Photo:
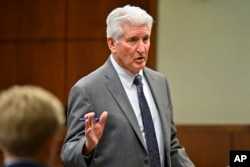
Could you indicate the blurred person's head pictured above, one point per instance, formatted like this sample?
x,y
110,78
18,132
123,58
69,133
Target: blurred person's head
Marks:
x,y
128,36
31,121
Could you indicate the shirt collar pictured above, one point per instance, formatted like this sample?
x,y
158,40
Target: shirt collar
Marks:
x,y
126,76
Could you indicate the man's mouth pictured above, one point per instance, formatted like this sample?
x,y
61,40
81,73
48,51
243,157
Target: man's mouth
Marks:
x,y
140,58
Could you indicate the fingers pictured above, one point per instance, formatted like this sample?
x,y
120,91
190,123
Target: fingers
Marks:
x,y
94,130
103,118
88,120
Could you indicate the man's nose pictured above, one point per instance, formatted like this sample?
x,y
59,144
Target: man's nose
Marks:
x,y
141,47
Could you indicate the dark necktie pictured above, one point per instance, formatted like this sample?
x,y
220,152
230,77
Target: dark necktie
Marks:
x,y
148,125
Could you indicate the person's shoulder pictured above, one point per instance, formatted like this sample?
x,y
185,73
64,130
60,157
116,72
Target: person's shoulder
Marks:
x,y
89,78
95,76
149,71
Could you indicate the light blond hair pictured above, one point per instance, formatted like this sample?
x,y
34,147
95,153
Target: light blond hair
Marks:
x,y
29,116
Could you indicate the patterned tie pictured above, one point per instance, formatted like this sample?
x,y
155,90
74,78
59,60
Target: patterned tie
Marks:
x,y
149,130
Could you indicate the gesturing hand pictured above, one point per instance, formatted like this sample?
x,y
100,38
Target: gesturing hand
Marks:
x,y
93,131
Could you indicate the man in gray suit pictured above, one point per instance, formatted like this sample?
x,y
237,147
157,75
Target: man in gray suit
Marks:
x,y
117,138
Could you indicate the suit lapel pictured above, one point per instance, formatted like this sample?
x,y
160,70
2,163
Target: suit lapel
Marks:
x,y
158,93
162,102
115,87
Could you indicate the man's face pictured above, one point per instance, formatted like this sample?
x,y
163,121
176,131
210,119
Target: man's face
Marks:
x,y
131,51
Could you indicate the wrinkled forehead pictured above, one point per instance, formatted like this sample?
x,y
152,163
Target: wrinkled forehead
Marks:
x,y
135,30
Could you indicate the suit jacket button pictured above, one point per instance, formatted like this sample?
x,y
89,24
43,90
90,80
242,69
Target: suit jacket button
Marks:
x,y
146,161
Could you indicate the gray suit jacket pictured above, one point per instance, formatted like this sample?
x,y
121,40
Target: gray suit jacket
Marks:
x,y
122,143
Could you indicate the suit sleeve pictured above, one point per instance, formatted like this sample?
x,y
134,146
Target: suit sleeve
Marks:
x,y
79,104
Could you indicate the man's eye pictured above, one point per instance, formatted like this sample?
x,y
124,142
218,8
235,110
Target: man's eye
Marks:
x,y
132,40
145,40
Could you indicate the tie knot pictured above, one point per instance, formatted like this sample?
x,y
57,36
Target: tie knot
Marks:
x,y
138,80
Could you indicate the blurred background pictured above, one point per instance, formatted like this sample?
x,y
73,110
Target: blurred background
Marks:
x,y
204,49
201,46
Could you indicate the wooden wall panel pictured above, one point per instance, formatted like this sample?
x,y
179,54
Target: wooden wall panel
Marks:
x,y
206,149
88,20
241,141
1,157
26,36
29,19
37,63
8,68
41,63
210,145
83,58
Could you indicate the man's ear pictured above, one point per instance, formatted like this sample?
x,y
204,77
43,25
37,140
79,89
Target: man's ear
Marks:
x,y
111,44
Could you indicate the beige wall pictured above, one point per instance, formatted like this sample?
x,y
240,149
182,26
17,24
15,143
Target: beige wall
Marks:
x,y
204,50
